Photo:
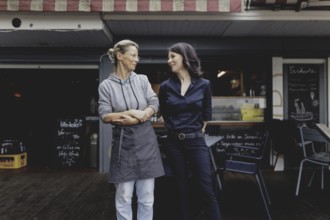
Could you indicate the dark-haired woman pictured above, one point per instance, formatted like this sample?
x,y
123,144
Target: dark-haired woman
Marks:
x,y
185,104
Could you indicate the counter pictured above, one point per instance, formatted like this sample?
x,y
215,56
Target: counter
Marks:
x,y
238,108
220,123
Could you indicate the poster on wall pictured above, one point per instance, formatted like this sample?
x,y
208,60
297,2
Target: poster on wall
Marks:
x,y
303,92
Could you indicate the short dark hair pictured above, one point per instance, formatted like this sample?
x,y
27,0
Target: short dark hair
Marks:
x,y
190,58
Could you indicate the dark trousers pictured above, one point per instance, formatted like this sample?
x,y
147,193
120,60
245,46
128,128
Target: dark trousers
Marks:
x,y
193,152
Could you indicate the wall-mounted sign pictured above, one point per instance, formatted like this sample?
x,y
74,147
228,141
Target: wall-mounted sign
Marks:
x,y
303,92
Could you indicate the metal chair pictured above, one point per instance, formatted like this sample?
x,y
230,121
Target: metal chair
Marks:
x,y
247,160
315,151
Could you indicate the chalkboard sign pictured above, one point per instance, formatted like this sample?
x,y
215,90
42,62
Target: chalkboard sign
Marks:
x,y
303,92
69,142
242,142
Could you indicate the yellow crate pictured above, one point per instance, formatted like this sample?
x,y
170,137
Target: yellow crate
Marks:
x,y
13,161
250,113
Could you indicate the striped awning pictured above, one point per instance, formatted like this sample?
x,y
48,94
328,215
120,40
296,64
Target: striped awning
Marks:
x,y
123,5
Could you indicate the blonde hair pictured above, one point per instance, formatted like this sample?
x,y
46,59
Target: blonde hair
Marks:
x,y
120,47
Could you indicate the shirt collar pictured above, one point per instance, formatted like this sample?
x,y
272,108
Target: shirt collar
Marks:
x,y
177,80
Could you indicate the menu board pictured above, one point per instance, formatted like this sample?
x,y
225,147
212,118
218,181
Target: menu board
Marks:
x,y
303,92
243,142
69,142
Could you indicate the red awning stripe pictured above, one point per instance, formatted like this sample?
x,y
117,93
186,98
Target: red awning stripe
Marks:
x,y
123,5
236,6
166,5
143,5
189,6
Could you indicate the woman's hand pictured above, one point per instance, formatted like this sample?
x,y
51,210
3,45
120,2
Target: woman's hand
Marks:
x,y
140,115
204,126
125,120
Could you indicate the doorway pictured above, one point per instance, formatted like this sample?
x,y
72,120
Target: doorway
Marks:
x,y
34,99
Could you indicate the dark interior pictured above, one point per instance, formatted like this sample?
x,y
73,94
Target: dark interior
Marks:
x,y
34,99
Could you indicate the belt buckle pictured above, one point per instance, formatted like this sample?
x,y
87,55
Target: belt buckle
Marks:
x,y
181,136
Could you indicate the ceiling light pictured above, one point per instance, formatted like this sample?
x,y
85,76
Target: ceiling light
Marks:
x,y
221,73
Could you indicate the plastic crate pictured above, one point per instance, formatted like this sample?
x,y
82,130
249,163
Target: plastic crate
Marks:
x,y
13,161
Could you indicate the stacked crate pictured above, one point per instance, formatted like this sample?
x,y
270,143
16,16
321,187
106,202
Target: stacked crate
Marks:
x,y
12,154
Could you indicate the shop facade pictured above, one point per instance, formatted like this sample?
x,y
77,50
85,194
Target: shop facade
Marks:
x,y
58,50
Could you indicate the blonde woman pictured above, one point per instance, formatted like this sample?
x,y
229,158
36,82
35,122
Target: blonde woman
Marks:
x,y
127,101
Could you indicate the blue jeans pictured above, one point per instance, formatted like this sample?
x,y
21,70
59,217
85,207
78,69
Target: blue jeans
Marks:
x,y
145,196
193,151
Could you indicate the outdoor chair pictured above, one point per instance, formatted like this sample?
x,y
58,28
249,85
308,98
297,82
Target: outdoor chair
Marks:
x,y
314,147
247,160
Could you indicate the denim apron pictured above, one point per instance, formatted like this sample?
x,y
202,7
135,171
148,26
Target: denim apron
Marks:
x,y
135,154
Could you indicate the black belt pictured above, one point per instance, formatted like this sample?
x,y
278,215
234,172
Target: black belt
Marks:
x,y
182,136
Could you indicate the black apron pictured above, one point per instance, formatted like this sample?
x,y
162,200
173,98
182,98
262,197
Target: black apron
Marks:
x,y
135,154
